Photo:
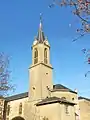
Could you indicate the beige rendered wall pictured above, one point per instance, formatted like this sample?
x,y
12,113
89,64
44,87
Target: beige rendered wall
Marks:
x,y
68,95
40,77
56,111
64,115
84,109
31,112
14,108
40,74
51,111
72,97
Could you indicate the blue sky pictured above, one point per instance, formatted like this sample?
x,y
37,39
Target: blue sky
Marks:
x,y
19,22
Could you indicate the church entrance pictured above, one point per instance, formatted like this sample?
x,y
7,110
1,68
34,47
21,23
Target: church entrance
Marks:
x,y
18,118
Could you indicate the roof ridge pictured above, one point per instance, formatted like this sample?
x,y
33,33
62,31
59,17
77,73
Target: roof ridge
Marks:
x,y
17,96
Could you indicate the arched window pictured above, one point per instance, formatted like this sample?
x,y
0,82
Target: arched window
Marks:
x,y
18,118
45,52
20,108
45,55
35,55
8,109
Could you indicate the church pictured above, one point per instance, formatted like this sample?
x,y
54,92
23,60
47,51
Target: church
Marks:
x,y
44,100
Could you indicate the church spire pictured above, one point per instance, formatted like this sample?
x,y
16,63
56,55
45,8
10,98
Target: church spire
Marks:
x,y
40,36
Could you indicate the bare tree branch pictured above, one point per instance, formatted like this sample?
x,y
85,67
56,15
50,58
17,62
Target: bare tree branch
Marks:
x,y
5,83
81,9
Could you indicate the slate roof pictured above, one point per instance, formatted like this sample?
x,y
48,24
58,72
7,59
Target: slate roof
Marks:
x,y
1,97
51,100
59,87
16,97
80,98
40,36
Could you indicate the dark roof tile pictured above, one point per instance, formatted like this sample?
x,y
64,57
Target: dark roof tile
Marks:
x,y
59,87
18,96
80,98
53,100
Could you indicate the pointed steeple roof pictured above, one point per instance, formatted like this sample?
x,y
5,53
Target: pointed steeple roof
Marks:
x,y
40,36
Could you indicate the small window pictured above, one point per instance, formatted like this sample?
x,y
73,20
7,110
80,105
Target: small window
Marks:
x,y
8,109
20,108
33,88
67,109
35,53
45,52
73,99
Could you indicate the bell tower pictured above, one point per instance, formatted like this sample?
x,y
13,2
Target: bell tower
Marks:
x,y
40,71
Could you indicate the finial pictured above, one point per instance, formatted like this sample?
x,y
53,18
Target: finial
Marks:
x,y
76,90
40,17
40,20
